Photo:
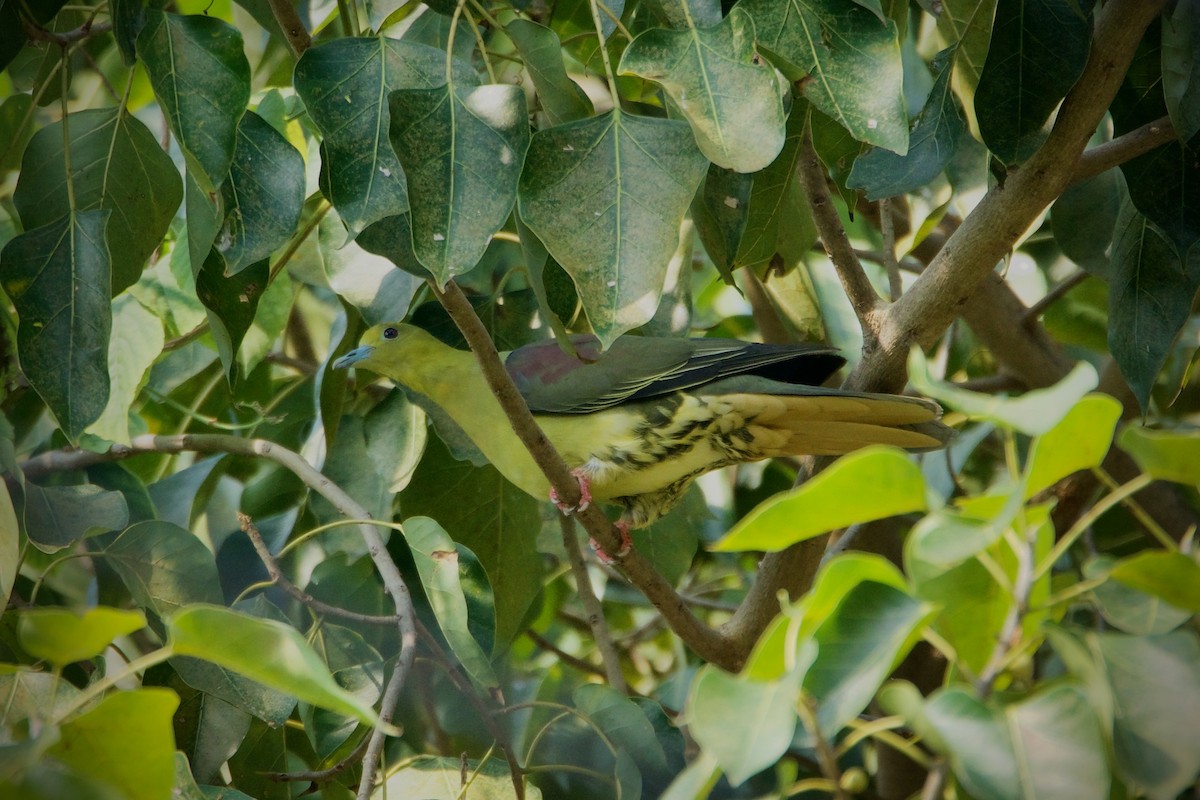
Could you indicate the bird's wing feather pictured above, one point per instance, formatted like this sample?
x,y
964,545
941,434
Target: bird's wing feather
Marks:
x,y
636,368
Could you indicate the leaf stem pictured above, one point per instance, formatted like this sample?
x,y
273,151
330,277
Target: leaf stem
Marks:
x,y
458,10
66,132
594,5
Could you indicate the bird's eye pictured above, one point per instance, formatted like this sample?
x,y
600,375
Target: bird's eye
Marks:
x,y
390,333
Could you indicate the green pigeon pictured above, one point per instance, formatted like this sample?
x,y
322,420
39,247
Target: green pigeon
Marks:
x,y
637,423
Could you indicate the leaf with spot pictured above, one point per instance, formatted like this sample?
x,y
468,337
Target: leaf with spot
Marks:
x,y
606,196
58,278
201,78
1038,50
848,59
344,85
116,165
462,149
262,196
231,302
932,143
727,93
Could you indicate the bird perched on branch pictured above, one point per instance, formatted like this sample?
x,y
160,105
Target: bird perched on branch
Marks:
x,y
639,422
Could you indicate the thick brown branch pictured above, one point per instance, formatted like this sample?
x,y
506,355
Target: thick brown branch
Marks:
x,y
862,294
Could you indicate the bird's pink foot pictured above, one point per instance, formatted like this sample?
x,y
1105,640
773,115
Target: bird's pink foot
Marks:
x,y
585,494
626,543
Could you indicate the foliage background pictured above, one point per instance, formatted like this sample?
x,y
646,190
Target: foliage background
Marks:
x,y
205,203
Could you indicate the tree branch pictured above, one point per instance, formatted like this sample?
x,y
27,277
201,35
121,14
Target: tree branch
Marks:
x,y
862,294
294,32
1126,147
592,607
1007,211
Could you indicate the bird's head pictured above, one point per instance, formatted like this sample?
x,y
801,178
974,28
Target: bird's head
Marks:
x,y
379,346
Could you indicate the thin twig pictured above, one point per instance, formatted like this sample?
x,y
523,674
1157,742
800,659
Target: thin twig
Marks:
x,y
572,661
65,38
592,607
887,226
826,757
862,295
935,782
1125,147
321,775
1053,296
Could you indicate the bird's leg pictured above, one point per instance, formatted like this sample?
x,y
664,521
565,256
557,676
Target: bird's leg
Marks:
x,y
622,527
585,493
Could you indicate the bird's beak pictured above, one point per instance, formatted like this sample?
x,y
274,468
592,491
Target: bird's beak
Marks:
x,y
353,357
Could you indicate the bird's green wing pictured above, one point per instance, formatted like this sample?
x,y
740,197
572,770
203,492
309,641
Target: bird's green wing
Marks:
x,y
636,368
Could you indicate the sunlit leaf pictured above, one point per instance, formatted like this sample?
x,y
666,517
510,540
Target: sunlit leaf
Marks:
x,y
270,652
441,778
62,637
1174,577
10,544
606,196
1167,455
726,92
137,340
1080,440
885,482
125,742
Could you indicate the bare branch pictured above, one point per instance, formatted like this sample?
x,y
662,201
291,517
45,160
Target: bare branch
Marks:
x,y
863,298
887,226
592,607
294,32
1123,148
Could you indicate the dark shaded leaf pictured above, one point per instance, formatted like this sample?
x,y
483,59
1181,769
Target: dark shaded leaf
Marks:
x,y
231,302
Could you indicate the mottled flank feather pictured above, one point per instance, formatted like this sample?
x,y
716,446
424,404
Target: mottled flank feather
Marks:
x,y
643,420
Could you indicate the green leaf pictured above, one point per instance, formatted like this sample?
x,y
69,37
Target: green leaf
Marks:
x,y
369,282
1166,455
979,744
769,710
204,212
1181,68
231,302
441,778
262,196
858,646
1149,299
720,211
63,637
436,558
932,144
128,17
1058,747
968,25
201,78
59,516
116,165
884,481
208,731
1038,50
58,279
164,567
1033,413
1083,218
358,668
1128,609
606,196
561,98
16,117
726,92
771,207
1080,440
124,742
1174,577
137,340
851,59
946,537
491,517
623,723
270,652
10,544
462,149
1156,696
344,84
